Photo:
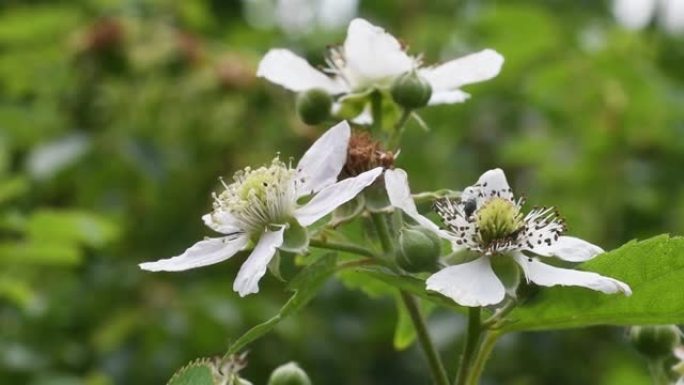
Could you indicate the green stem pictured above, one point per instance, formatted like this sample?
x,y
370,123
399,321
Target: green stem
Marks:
x,y
488,342
356,263
383,231
434,361
657,369
439,374
472,342
376,109
498,316
399,129
339,246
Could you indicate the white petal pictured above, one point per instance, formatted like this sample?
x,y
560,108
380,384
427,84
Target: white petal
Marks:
x,y
221,222
286,69
634,14
202,253
372,55
472,68
568,249
399,193
333,196
491,183
251,271
679,353
469,284
547,275
323,161
448,97
672,16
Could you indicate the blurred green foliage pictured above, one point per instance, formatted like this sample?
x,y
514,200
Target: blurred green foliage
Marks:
x,y
117,118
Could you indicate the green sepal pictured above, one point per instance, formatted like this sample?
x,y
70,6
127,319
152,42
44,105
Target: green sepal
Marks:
x,y
295,238
198,372
348,211
352,105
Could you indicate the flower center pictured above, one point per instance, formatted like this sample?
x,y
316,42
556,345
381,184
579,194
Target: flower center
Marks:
x,y
260,197
498,219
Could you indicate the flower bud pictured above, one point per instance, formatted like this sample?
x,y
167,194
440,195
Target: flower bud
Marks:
x,y
418,250
289,374
411,91
654,341
313,106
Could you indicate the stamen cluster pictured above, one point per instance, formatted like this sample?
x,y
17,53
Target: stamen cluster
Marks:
x,y
259,197
495,224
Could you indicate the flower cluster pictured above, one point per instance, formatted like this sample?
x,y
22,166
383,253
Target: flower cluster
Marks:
x,y
270,208
371,59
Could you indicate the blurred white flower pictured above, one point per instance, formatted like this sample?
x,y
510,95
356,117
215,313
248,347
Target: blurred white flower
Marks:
x,y
262,204
488,220
679,367
300,17
637,14
370,58
46,160
672,16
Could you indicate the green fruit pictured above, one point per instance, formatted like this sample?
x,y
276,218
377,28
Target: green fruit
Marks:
x,y
313,106
411,91
655,341
418,250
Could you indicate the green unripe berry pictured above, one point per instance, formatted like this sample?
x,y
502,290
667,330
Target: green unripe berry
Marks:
x,y
655,341
289,374
411,91
418,250
313,106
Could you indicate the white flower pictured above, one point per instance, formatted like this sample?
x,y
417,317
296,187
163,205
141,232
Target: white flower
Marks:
x,y
262,204
637,14
370,58
487,220
679,367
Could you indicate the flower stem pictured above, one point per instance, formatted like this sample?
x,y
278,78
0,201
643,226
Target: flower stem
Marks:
x,y
434,361
488,341
658,375
399,129
339,246
494,321
376,109
383,232
471,346
439,374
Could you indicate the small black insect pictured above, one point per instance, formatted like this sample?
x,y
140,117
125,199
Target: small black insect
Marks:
x,y
469,207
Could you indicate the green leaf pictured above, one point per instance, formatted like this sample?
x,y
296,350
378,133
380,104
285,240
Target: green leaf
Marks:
x,y
70,227
405,333
12,188
199,372
15,290
654,269
305,285
410,284
41,253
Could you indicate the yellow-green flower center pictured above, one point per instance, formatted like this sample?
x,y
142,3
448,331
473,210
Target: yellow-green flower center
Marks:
x,y
257,182
259,197
498,219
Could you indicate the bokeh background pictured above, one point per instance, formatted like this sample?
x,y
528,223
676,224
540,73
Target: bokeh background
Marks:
x,y
117,118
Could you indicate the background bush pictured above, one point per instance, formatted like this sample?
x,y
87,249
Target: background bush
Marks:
x,y
117,118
